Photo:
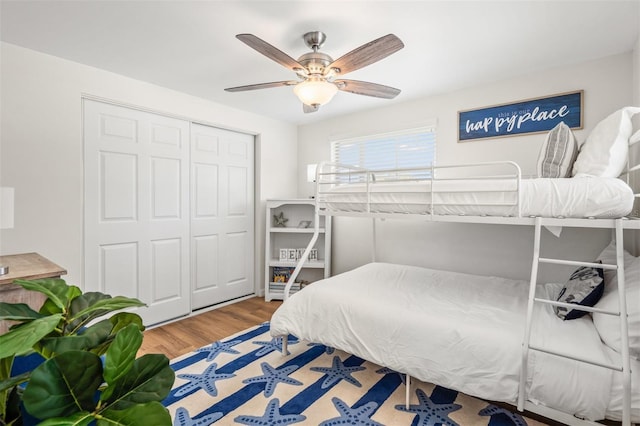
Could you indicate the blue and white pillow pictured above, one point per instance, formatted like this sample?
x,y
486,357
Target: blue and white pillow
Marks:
x,y
584,288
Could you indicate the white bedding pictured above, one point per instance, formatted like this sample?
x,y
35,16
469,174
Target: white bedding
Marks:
x,y
457,330
574,197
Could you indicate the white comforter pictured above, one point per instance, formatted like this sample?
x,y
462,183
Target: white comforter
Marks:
x,y
456,330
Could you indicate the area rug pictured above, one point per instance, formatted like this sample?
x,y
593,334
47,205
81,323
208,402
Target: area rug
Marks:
x,y
244,379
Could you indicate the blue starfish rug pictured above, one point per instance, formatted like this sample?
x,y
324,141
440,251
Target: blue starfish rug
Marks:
x,y
245,380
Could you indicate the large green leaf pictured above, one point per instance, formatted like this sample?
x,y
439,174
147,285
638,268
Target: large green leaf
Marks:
x,y
63,385
151,413
149,379
102,306
123,319
17,312
119,321
82,303
122,353
81,418
20,340
50,307
54,288
90,338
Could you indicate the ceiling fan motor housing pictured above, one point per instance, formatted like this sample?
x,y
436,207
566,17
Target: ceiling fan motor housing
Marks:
x,y
315,62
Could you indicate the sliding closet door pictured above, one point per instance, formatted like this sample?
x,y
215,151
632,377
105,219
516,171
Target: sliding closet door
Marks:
x,y
222,219
136,194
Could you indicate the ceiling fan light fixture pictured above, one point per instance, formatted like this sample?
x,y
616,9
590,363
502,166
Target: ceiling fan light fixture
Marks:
x,y
315,92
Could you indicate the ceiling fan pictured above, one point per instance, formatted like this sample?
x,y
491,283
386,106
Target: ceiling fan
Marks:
x,y
319,76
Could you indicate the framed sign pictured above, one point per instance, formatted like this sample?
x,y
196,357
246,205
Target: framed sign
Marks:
x,y
528,116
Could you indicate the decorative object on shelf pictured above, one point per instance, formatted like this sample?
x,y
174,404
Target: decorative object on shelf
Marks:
x,y
293,255
313,254
279,221
527,116
284,255
304,283
304,224
281,274
299,253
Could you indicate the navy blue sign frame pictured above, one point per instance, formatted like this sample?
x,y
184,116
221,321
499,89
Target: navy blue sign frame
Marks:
x,y
528,116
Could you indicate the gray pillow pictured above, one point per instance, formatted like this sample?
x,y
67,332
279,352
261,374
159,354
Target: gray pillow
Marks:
x,y
558,153
585,288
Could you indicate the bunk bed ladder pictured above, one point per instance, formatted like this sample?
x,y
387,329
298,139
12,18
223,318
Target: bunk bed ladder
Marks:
x,y
624,367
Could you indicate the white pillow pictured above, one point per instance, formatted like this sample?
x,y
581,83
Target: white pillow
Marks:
x,y
608,326
604,153
558,153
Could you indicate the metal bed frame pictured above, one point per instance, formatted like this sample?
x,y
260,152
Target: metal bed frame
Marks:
x,y
329,175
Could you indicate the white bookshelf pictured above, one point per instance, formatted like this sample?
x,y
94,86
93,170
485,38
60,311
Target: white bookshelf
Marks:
x,y
294,237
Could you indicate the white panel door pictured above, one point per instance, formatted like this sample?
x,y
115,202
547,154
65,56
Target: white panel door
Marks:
x,y
222,219
136,192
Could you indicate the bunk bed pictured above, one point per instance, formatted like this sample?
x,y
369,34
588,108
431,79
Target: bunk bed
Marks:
x,y
502,343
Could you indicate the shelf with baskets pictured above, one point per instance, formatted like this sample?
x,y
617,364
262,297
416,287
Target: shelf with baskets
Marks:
x,y
289,228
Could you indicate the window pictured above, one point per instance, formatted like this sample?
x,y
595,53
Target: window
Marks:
x,y
404,149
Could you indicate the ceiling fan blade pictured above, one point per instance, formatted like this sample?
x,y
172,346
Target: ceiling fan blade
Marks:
x,y
270,51
368,54
310,108
368,89
261,86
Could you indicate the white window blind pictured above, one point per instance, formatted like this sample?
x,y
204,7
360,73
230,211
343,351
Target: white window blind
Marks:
x,y
405,149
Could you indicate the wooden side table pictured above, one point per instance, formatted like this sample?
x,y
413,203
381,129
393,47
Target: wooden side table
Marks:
x,y
26,266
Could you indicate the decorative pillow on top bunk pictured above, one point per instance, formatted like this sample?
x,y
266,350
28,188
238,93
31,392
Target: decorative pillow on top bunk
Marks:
x,y
604,153
584,288
558,153
608,326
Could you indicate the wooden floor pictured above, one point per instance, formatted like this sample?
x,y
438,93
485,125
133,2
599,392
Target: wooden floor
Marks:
x,y
181,337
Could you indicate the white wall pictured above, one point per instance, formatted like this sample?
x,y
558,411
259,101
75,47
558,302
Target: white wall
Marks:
x,y
41,148
491,249
636,68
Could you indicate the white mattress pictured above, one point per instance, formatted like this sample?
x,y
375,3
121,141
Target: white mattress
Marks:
x,y
574,197
456,330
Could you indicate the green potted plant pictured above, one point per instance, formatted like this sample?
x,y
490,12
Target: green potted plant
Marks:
x,y
89,372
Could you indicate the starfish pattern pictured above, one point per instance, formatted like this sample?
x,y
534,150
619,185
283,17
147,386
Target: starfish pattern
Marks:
x,y
272,376
271,417
492,410
356,416
218,347
274,344
206,380
338,372
430,414
183,418
279,220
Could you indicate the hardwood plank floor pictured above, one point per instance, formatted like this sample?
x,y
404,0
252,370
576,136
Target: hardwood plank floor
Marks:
x,y
181,337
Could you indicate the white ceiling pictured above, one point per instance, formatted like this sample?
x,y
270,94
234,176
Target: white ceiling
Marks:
x,y
190,46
